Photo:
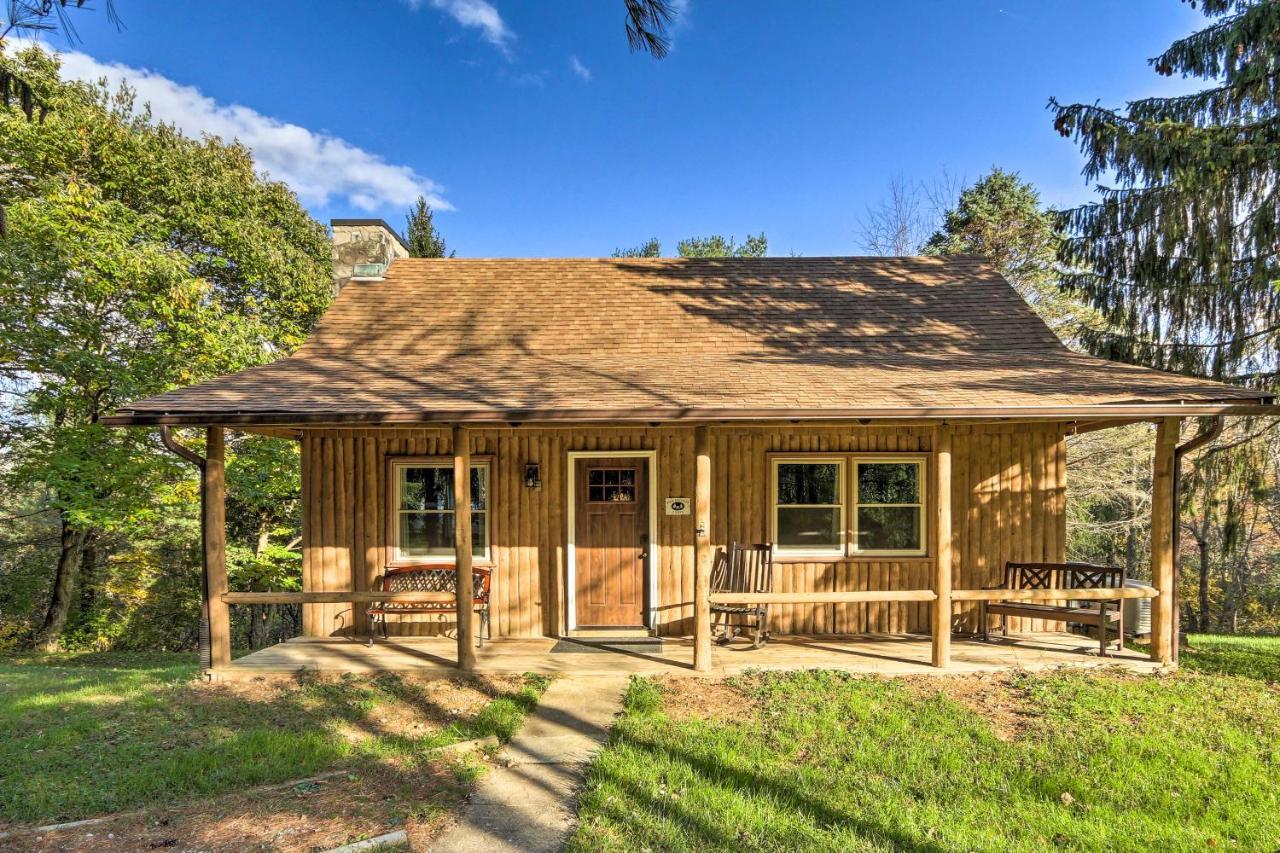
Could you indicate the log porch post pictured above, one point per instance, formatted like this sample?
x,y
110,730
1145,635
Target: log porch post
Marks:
x,y
1164,620
465,606
213,511
941,628
702,550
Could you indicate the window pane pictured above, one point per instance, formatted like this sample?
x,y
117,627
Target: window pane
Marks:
x,y
431,487
479,486
426,534
888,483
889,528
426,487
478,542
430,534
808,483
809,528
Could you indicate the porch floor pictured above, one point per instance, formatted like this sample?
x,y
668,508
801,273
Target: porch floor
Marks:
x,y
871,655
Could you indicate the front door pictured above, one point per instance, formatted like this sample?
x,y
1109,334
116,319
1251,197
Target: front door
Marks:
x,y
611,519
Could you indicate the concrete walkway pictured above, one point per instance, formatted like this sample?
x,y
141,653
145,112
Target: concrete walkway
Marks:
x,y
528,803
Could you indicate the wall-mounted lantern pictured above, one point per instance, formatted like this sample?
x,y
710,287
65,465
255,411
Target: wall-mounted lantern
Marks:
x,y
532,476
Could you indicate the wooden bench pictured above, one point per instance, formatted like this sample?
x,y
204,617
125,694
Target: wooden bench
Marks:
x,y
429,579
1064,577
745,569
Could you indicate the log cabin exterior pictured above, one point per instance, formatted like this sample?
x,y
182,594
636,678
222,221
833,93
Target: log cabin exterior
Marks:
x,y
895,426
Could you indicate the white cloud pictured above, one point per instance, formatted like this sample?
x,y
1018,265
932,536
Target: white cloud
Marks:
x,y
318,166
476,14
578,68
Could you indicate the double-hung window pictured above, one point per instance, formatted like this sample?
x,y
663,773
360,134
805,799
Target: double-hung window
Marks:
x,y
848,505
808,506
424,505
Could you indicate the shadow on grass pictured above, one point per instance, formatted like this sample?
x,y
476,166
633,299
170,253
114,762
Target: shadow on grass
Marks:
x,y
77,741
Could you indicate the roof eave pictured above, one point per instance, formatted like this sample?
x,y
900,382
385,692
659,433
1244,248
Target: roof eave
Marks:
x,y
1260,407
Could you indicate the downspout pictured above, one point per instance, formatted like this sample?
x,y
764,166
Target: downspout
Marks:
x,y
205,645
1195,443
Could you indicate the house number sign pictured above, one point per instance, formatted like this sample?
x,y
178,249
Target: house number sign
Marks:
x,y
678,506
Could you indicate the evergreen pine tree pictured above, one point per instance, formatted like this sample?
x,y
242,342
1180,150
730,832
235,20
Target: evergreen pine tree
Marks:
x,y
421,234
1180,254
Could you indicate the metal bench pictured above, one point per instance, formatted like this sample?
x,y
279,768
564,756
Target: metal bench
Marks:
x,y
746,568
1064,577
429,579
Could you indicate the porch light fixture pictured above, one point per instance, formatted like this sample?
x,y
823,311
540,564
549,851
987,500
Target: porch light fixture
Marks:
x,y
532,476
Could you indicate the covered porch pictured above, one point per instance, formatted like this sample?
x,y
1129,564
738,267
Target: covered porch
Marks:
x,y
929,590
884,655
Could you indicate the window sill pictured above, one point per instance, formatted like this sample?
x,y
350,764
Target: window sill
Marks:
x,y
436,563
852,558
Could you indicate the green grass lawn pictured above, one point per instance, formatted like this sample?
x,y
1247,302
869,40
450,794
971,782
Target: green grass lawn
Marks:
x,y
825,761
1252,657
83,735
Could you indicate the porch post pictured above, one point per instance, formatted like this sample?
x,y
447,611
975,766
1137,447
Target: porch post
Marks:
x,y
462,547
942,546
213,510
1164,620
702,550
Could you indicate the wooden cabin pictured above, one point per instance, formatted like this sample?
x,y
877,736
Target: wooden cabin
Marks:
x,y
894,426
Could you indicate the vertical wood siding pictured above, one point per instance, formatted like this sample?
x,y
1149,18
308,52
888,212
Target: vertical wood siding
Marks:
x,y
1008,498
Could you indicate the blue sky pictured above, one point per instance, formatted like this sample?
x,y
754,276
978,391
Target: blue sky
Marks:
x,y
546,137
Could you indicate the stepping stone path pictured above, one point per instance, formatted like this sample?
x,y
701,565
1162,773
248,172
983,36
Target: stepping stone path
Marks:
x,y
528,803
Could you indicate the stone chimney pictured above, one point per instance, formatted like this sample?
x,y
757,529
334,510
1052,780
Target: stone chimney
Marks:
x,y
363,249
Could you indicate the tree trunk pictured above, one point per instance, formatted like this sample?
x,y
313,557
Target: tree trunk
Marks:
x,y
1203,544
88,578
70,558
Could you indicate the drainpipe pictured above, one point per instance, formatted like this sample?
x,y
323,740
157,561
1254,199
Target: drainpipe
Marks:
x,y
205,645
1199,440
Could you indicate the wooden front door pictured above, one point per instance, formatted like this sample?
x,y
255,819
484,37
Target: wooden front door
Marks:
x,y
611,541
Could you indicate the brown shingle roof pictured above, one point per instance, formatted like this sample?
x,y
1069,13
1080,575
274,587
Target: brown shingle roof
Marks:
x,y
668,338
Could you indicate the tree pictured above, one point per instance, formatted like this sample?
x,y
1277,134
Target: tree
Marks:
x,y
716,246
647,24
138,260
901,222
1180,254
1000,218
421,234
29,17
651,248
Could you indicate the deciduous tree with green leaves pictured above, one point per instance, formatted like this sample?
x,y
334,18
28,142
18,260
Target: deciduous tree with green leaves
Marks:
x,y
137,260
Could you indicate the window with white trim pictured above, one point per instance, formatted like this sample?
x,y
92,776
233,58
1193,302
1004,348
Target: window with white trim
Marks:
x,y
808,506
848,505
888,508
424,503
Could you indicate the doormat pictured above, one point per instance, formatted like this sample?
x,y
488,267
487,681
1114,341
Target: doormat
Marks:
x,y
642,647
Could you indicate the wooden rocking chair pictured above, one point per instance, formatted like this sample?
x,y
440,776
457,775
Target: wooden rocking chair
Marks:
x,y
746,568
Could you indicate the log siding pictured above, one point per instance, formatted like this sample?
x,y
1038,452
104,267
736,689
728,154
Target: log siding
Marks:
x,y
1007,503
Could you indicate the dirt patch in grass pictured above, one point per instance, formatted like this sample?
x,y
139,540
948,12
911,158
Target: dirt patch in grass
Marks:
x,y
313,816
996,697
685,697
